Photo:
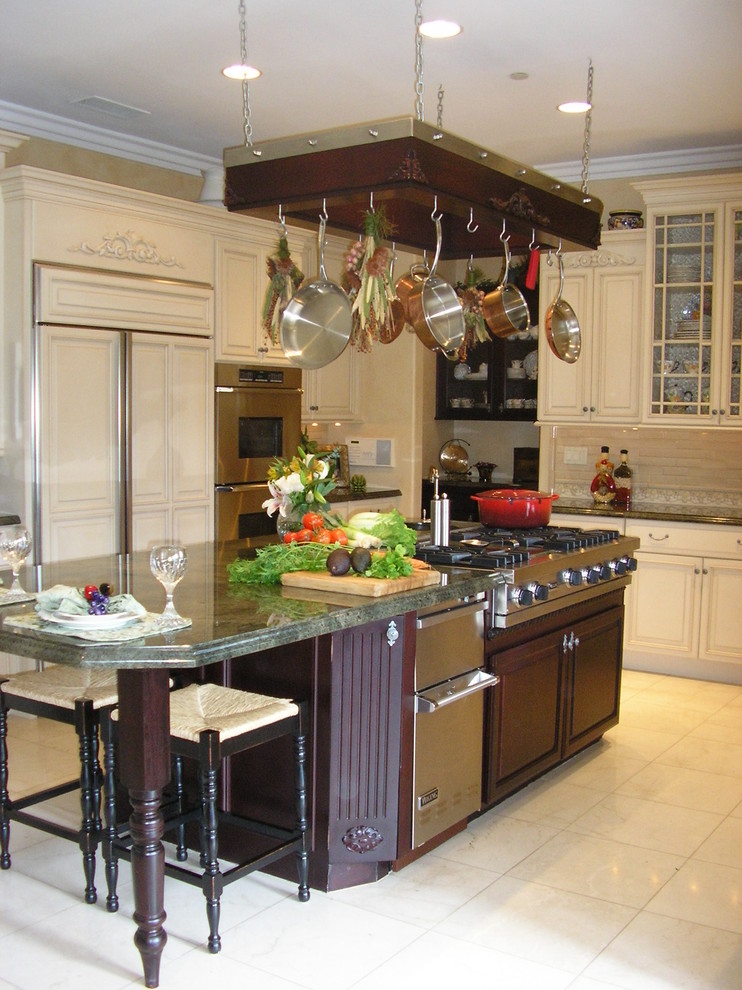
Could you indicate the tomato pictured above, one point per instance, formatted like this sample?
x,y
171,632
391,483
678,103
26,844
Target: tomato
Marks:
x,y
304,535
291,537
312,520
321,536
89,591
338,536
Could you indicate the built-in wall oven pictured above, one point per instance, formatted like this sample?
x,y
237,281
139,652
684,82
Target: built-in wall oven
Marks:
x,y
258,418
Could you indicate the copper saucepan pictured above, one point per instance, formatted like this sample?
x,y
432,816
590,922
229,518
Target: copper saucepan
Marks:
x,y
435,310
505,308
561,325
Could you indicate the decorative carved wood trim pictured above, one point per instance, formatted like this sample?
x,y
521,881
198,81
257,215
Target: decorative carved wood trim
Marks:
x,y
128,247
519,205
362,839
598,259
410,169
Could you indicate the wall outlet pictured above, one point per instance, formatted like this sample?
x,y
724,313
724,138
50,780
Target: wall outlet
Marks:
x,y
575,455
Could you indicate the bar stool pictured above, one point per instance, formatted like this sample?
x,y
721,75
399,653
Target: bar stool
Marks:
x,y
208,723
76,697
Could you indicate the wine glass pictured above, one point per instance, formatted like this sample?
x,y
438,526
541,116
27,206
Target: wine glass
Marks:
x,y
15,546
168,564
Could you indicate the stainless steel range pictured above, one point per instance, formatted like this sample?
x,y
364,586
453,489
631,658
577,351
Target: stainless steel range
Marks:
x,y
543,569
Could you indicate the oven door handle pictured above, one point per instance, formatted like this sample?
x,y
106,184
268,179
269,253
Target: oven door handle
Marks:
x,y
455,689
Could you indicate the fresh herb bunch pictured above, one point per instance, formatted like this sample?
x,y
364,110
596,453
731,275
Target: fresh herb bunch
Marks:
x,y
272,561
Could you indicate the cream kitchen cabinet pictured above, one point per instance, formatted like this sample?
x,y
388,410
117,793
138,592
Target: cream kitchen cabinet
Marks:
x,y
241,284
682,608
694,303
605,289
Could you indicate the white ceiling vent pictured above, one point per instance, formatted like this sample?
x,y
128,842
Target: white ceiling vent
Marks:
x,y
110,107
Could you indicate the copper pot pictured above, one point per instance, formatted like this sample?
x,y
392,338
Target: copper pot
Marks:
x,y
505,308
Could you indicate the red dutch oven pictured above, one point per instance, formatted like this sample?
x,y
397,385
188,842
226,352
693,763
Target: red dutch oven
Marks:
x,y
514,507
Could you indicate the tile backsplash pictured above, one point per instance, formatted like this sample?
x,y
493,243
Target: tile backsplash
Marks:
x,y
682,467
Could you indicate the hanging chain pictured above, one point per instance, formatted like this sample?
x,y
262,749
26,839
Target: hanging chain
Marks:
x,y
441,94
246,113
588,123
419,87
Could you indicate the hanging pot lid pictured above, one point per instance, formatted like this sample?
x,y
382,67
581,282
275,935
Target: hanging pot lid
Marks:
x,y
405,162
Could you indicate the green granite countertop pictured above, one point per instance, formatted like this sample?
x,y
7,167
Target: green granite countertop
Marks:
x,y
717,515
229,620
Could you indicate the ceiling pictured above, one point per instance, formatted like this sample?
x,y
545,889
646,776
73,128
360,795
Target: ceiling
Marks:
x,y
668,76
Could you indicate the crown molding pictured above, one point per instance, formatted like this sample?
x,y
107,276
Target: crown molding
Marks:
x,y
657,163
35,123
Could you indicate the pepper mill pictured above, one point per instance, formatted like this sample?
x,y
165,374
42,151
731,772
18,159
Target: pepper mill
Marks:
x,y
440,516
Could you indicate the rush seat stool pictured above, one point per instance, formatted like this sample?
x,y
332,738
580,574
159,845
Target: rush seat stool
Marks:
x,y
76,697
209,722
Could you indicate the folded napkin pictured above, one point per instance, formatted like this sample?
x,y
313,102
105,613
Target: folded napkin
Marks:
x,y
61,597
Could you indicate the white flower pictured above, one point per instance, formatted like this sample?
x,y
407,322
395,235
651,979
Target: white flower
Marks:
x,y
321,468
287,484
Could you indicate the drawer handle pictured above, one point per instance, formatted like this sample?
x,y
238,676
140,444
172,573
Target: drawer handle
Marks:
x,y
659,539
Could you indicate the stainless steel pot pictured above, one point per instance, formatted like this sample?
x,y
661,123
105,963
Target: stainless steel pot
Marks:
x,y
505,308
317,322
561,325
435,309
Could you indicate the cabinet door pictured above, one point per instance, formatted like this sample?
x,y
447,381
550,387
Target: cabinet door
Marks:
x,y
331,394
616,345
171,419
593,678
721,615
663,605
731,369
80,452
564,389
524,715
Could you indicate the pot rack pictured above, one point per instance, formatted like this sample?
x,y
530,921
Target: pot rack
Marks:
x,y
404,164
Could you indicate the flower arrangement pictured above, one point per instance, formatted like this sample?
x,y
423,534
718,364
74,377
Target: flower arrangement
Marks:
x,y
299,483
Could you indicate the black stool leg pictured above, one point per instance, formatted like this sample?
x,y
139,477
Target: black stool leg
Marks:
x,y
87,731
4,798
302,823
212,882
110,856
181,849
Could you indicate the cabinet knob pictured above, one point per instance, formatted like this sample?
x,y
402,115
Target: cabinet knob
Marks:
x,y
592,408
696,570
585,409
722,412
705,570
262,350
714,412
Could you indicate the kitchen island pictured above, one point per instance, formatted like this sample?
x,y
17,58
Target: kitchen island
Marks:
x,y
351,657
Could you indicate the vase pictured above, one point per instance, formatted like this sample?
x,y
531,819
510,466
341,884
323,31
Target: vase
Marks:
x,y
290,523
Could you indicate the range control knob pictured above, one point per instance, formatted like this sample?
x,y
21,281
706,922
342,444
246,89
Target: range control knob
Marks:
x,y
605,572
570,576
540,591
591,575
618,567
520,596
630,563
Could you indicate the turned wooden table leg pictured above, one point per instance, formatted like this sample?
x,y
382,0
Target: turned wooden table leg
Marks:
x,y
144,767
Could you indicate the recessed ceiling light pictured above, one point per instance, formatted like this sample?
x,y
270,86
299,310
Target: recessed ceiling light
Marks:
x,y
440,29
575,106
241,71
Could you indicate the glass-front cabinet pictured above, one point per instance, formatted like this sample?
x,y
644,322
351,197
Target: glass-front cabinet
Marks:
x,y
696,304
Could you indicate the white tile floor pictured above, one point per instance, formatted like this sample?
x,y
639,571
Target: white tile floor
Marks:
x,y
622,868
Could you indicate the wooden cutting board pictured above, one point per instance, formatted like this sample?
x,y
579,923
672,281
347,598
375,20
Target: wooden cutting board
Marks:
x,y
350,584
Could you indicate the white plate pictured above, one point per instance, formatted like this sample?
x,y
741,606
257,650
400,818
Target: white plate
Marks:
x,y
530,363
111,620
